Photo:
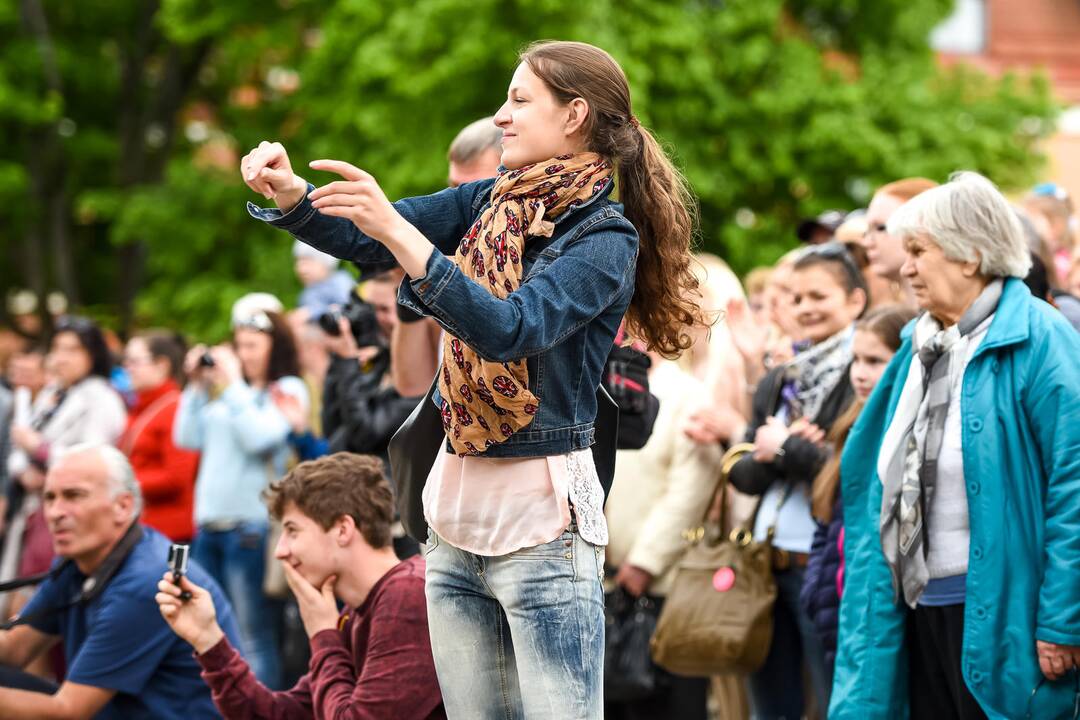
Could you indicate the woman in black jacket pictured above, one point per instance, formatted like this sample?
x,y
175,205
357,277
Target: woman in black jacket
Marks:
x,y
793,408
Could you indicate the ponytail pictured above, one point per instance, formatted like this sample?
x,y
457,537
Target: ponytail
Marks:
x,y
659,204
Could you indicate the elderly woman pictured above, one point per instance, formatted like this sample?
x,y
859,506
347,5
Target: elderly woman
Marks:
x,y
960,486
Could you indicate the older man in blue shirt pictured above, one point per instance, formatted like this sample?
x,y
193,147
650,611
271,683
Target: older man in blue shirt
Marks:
x,y
123,661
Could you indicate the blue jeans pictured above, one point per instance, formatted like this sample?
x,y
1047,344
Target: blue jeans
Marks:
x,y
236,558
520,635
776,690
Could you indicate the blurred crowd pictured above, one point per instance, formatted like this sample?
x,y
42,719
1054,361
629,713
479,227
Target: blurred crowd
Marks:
x,y
792,359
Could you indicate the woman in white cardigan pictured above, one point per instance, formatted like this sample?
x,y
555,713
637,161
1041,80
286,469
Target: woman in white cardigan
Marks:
x,y
658,492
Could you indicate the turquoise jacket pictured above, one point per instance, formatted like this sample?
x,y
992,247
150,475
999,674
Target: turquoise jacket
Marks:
x,y
1020,413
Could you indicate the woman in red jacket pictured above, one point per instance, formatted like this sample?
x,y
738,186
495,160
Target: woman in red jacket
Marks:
x,y
165,472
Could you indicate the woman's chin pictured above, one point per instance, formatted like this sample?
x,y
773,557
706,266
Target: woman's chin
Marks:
x,y
510,161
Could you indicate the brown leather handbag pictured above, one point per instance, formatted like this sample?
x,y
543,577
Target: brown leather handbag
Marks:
x,y
718,616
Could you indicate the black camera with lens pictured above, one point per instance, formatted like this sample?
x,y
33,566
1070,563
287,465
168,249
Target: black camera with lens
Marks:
x,y
361,318
206,360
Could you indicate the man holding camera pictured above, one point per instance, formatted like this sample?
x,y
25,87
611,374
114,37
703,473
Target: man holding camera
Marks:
x,y
361,408
98,600
372,660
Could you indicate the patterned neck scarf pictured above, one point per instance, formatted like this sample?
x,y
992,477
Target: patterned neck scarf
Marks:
x,y
814,373
907,463
485,402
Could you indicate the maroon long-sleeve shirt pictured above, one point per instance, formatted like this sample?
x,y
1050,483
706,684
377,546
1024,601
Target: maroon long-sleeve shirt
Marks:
x,y
377,666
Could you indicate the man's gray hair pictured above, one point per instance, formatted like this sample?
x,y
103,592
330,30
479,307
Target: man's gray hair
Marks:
x,y
120,474
971,220
474,139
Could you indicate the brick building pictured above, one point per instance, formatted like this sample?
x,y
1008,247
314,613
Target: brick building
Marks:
x,y
999,35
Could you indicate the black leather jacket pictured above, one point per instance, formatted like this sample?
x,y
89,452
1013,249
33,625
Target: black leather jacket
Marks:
x,y
360,412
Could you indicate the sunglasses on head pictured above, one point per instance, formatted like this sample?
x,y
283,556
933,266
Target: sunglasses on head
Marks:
x,y
838,252
74,323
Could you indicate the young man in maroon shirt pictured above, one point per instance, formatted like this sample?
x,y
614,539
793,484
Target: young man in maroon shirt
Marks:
x,y
371,661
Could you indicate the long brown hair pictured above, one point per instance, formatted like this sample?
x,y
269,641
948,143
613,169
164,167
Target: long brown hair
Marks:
x,y
886,323
657,198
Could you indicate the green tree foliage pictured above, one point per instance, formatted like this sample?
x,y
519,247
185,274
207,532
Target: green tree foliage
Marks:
x,y
119,181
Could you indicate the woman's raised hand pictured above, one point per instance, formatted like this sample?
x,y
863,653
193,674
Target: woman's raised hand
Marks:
x,y
357,198
267,171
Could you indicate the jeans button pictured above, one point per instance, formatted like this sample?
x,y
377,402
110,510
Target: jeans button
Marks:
x,y
976,425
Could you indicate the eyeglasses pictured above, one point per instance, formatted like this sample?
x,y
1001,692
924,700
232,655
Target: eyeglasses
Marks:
x,y
256,321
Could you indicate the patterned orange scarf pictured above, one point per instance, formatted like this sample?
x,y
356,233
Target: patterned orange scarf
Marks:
x,y
485,402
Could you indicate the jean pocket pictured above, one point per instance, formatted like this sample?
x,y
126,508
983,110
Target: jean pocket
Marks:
x,y
561,548
432,542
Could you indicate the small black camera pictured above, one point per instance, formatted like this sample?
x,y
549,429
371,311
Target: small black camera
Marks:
x,y
178,563
206,360
361,318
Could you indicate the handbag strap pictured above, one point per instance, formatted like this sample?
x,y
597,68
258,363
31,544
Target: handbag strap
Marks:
x,y
744,533
732,456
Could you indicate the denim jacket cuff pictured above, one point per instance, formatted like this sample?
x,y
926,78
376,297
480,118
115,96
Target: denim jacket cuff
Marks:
x,y
440,269
295,218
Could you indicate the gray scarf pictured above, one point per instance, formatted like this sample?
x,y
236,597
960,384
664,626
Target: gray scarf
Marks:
x,y
814,373
907,464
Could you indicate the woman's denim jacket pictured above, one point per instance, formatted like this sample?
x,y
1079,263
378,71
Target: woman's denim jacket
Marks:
x,y
575,290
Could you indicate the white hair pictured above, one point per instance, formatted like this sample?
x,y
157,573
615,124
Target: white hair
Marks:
x,y
301,249
971,220
474,139
118,470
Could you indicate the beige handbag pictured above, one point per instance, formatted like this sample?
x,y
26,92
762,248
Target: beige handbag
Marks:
x,y
718,616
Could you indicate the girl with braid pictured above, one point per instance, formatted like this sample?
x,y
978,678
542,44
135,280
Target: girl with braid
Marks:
x,y
530,274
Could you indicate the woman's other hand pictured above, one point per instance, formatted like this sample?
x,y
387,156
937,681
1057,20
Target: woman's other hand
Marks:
x,y
359,199
1056,660
712,423
267,171
291,407
633,579
807,430
194,619
226,370
768,440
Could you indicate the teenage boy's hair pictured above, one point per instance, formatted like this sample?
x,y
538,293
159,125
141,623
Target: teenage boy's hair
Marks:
x,y
337,485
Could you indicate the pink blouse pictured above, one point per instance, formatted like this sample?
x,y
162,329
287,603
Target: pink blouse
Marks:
x,y
494,506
